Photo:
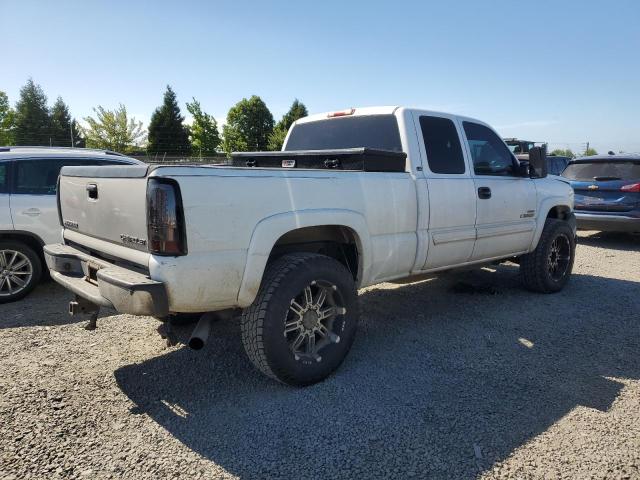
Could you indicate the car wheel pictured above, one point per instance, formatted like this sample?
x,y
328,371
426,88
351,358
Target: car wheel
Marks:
x,y
303,321
547,269
20,271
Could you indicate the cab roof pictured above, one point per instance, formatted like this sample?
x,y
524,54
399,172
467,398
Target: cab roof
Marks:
x,y
379,110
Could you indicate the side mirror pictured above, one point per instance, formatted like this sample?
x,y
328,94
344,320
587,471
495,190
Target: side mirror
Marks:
x,y
538,161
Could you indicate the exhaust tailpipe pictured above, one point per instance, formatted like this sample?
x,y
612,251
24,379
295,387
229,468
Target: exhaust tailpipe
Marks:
x,y
201,332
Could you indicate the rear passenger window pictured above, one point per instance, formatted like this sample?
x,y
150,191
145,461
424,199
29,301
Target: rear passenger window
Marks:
x,y
3,178
490,155
442,145
37,177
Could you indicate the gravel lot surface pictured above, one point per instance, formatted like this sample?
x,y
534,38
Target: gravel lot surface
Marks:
x,y
457,377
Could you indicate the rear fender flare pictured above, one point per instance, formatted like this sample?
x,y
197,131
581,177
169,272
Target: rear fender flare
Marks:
x,y
270,229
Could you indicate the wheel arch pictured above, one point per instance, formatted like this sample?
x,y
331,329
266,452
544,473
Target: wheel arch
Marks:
x,y
554,207
30,239
341,234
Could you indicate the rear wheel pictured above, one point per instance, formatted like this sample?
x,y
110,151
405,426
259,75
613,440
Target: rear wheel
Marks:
x,y
20,271
303,321
547,269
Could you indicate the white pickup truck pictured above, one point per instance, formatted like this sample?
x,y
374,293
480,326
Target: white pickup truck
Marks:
x,y
355,198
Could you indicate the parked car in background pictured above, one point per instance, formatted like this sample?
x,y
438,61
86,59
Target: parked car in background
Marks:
x,y
356,197
556,164
519,147
28,209
607,192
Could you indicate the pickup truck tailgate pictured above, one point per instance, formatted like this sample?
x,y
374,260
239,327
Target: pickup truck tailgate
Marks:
x,y
108,203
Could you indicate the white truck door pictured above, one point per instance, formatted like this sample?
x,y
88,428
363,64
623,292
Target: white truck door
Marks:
x,y
506,217
33,198
5,207
452,199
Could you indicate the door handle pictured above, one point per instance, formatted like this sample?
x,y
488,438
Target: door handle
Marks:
x,y
92,191
31,212
484,193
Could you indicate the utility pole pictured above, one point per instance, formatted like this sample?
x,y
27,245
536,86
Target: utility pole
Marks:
x,y
586,152
71,133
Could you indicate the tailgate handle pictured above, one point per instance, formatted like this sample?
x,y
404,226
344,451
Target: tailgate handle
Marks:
x,y
92,191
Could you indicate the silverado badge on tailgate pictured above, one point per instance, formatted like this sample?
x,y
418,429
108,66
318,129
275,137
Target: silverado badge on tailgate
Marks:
x,y
133,241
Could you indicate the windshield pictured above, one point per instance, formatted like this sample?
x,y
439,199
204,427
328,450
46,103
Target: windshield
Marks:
x,y
589,171
371,131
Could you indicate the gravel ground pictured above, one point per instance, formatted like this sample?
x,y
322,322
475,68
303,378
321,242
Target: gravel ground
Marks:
x,y
457,377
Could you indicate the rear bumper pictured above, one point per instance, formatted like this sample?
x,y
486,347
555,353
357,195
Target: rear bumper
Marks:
x,y
104,284
607,222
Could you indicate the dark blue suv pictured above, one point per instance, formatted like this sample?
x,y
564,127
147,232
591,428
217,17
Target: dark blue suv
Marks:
x,y
607,192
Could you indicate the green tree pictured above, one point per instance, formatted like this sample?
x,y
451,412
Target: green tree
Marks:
x,y
7,120
32,116
590,151
113,130
78,135
297,111
249,124
167,133
205,137
564,153
63,128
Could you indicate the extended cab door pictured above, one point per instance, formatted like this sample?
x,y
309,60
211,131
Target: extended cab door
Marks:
x,y
506,211
5,207
452,199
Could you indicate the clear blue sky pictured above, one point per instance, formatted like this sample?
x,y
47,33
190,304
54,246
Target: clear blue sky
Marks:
x,y
562,71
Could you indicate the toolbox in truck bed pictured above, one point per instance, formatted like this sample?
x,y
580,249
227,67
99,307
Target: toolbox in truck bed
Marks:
x,y
362,159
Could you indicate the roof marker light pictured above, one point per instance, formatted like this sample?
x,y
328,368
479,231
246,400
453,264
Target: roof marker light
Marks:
x,y
342,113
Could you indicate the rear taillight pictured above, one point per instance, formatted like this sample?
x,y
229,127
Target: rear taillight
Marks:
x,y
165,220
634,187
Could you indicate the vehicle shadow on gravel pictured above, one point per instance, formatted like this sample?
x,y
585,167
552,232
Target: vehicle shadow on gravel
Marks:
x,y
612,240
44,307
442,382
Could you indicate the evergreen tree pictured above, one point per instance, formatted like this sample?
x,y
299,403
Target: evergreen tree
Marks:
x,y
249,124
60,124
167,134
297,111
7,120
205,138
32,116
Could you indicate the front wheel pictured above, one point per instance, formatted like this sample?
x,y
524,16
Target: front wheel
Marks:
x,y
303,321
20,271
547,269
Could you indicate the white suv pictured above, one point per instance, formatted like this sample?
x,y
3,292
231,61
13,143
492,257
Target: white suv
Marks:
x,y
28,210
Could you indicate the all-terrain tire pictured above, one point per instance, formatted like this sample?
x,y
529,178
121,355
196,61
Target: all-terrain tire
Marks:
x,y
34,265
263,322
536,267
